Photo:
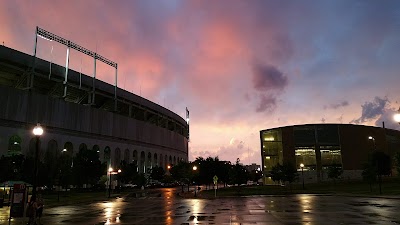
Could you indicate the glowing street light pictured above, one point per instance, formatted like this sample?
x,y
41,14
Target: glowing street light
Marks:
x,y
396,117
109,181
37,131
373,139
111,171
302,172
195,191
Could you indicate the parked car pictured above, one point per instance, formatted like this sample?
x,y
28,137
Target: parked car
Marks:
x,y
129,185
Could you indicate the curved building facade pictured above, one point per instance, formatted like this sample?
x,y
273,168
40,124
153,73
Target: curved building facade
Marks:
x,y
319,146
83,114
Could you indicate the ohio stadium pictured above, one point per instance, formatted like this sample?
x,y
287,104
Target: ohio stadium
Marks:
x,y
81,113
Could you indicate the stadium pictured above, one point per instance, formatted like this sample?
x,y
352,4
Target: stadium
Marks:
x,y
319,146
81,113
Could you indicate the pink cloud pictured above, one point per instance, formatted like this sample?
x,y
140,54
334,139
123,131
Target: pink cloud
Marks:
x,y
201,55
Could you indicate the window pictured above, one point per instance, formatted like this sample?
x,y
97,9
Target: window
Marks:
x,y
331,156
306,155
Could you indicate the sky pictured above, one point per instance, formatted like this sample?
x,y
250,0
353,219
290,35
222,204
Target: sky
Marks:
x,y
238,66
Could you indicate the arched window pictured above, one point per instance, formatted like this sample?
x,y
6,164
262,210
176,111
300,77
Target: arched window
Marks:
x,y
107,154
134,157
96,149
68,149
149,160
66,156
51,156
126,156
82,147
161,161
142,162
117,158
14,145
155,159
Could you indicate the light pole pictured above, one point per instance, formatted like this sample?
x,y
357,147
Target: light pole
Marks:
x,y
302,172
37,131
373,139
195,191
110,172
109,181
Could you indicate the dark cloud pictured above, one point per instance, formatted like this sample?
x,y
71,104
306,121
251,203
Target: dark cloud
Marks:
x,y
268,78
372,110
337,105
267,103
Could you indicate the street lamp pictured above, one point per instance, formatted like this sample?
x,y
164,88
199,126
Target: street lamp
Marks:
x,y
373,139
109,181
37,131
111,171
195,193
302,172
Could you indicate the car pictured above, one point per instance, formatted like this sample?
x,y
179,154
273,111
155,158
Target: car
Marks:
x,y
130,185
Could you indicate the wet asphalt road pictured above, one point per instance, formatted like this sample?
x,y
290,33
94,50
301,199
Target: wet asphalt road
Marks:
x,y
167,208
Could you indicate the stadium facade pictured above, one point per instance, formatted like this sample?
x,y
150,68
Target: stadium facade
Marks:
x,y
83,114
319,146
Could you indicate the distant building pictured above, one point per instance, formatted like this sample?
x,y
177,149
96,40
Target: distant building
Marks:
x,y
253,167
319,146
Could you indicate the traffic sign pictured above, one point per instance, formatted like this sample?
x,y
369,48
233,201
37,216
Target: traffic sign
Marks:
x,y
215,179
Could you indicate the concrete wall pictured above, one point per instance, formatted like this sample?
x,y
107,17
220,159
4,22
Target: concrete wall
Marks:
x,y
68,122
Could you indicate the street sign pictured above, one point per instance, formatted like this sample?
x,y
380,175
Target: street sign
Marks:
x,y
215,179
18,200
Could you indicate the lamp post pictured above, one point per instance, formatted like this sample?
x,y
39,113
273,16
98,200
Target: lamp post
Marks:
x,y
195,191
109,181
37,131
110,172
302,172
373,139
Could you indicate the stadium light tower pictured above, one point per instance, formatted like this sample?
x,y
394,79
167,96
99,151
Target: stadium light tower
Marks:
x,y
71,45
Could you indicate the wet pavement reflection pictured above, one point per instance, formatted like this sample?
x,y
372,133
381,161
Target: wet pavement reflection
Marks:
x,y
167,208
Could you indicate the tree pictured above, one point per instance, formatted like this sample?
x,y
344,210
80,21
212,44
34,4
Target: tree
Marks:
x,y
382,165
255,175
369,174
238,174
222,171
86,167
277,173
157,173
11,167
378,165
284,173
289,173
397,161
128,172
334,172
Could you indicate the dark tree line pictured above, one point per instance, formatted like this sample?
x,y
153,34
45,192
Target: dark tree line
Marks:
x,y
284,173
207,168
378,165
85,169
